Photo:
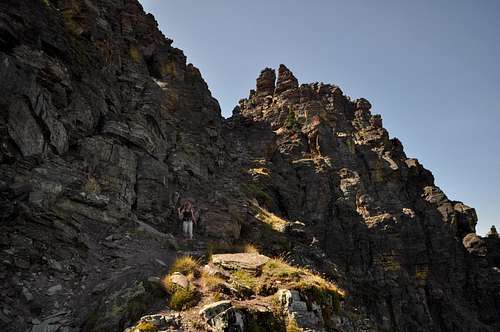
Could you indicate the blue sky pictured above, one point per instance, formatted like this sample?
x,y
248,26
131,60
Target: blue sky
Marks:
x,y
431,68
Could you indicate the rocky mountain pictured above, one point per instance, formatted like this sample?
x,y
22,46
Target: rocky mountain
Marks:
x,y
106,130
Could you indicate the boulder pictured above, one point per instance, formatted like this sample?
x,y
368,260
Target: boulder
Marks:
x,y
179,280
211,310
245,261
475,244
222,316
54,290
296,307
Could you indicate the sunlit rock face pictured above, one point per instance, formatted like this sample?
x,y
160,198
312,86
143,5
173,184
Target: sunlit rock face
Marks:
x,y
106,130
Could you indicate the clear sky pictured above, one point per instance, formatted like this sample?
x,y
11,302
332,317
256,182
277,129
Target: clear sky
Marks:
x,y
431,68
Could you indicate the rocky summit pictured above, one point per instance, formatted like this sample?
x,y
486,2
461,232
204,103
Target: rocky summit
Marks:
x,y
308,215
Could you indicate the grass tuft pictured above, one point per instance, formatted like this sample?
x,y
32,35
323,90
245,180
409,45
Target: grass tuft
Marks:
x,y
277,223
250,248
259,171
145,327
184,298
211,282
92,186
292,326
186,265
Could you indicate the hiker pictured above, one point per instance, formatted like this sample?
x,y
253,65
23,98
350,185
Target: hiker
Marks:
x,y
186,214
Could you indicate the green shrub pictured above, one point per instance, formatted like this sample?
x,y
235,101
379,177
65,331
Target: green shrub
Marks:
x,y
291,121
184,298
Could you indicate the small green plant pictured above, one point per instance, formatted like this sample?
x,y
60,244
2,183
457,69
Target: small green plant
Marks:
x,y
291,122
184,298
186,265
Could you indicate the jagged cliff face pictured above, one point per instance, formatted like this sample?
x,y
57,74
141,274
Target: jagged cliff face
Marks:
x,y
105,129
377,214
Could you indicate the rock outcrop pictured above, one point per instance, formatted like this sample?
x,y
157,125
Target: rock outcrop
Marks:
x,y
105,130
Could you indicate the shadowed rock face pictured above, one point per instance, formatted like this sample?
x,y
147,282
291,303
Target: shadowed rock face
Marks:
x,y
105,130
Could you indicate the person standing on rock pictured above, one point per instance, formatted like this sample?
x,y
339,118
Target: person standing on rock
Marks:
x,y
186,214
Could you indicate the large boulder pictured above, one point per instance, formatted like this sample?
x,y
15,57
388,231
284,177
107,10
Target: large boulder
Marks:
x,y
246,261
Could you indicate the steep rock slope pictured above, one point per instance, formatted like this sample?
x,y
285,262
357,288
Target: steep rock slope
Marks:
x,y
105,129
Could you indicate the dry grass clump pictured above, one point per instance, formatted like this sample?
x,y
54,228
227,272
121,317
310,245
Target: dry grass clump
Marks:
x,y
168,285
186,265
250,248
92,186
292,326
211,282
259,171
269,218
279,268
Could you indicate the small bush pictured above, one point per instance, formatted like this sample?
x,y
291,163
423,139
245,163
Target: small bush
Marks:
x,y
291,122
186,265
184,298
